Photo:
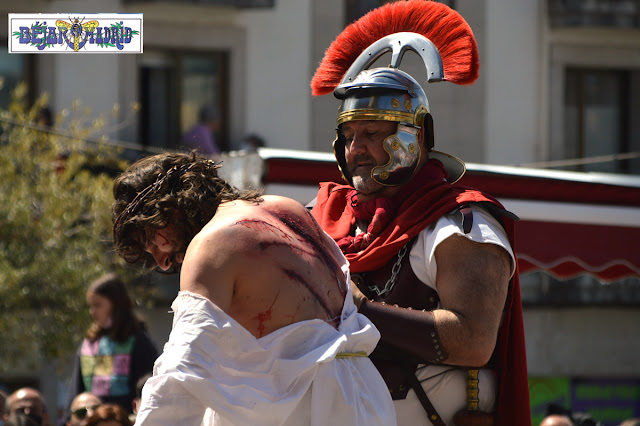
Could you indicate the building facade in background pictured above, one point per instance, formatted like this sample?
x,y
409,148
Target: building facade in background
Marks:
x,y
559,87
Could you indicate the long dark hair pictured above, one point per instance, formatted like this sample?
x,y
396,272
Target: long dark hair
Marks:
x,y
125,323
178,188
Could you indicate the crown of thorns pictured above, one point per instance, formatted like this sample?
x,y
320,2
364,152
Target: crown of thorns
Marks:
x,y
135,204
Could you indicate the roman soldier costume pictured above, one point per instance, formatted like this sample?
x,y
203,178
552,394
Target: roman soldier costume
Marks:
x,y
378,236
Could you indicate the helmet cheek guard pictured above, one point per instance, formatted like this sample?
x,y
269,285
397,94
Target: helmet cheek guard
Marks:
x,y
338,150
404,156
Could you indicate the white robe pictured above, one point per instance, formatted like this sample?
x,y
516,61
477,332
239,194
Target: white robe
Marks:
x,y
214,372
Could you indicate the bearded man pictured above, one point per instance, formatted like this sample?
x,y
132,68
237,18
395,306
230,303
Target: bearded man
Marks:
x,y
432,263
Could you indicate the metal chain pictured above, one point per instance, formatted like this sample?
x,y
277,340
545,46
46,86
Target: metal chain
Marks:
x,y
388,286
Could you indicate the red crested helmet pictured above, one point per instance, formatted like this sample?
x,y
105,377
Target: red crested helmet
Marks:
x,y
446,45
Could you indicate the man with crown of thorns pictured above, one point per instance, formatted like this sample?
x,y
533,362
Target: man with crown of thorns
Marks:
x,y
265,331
432,264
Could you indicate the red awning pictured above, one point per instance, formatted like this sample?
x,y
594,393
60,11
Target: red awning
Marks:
x,y
564,245
568,249
568,244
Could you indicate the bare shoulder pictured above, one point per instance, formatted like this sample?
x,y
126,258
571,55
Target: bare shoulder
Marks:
x,y
236,210
231,232
284,204
232,243
218,253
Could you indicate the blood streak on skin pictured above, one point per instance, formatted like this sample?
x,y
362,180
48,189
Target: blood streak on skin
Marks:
x,y
323,304
316,241
256,224
329,260
266,244
337,267
265,316
293,316
166,240
303,237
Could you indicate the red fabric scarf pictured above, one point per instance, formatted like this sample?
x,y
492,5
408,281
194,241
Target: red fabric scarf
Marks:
x,y
378,211
419,203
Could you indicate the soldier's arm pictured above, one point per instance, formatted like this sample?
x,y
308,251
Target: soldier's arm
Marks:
x,y
472,283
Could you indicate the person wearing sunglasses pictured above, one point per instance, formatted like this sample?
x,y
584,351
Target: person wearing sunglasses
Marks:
x,y
83,405
116,350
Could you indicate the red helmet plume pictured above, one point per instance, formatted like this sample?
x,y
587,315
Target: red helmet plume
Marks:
x,y
446,29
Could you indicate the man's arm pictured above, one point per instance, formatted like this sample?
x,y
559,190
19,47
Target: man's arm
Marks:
x,y
472,282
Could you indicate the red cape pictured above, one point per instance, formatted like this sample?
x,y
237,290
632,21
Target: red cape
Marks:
x,y
421,202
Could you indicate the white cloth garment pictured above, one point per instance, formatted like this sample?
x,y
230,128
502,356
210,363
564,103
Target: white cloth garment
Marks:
x,y
214,372
446,385
485,229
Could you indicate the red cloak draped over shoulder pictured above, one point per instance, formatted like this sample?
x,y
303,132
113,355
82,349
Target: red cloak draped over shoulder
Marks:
x,y
419,203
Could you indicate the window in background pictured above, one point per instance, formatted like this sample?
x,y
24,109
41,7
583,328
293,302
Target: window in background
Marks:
x,y
174,86
354,9
201,87
597,111
14,69
594,13
542,289
158,114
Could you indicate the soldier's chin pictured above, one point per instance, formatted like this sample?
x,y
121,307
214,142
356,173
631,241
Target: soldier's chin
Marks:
x,y
366,185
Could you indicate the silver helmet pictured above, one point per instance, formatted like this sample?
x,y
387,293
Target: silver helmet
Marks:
x,y
391,94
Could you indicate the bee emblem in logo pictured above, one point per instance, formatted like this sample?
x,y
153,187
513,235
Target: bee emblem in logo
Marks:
x,y
75,31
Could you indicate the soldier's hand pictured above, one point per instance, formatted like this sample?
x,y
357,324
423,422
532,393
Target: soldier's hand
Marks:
x,y
358,297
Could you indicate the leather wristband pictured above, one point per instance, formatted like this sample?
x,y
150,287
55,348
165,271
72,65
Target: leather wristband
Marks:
x,y
412,331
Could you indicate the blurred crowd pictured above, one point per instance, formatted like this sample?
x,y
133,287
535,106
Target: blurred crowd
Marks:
x,y
557,415
114,360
